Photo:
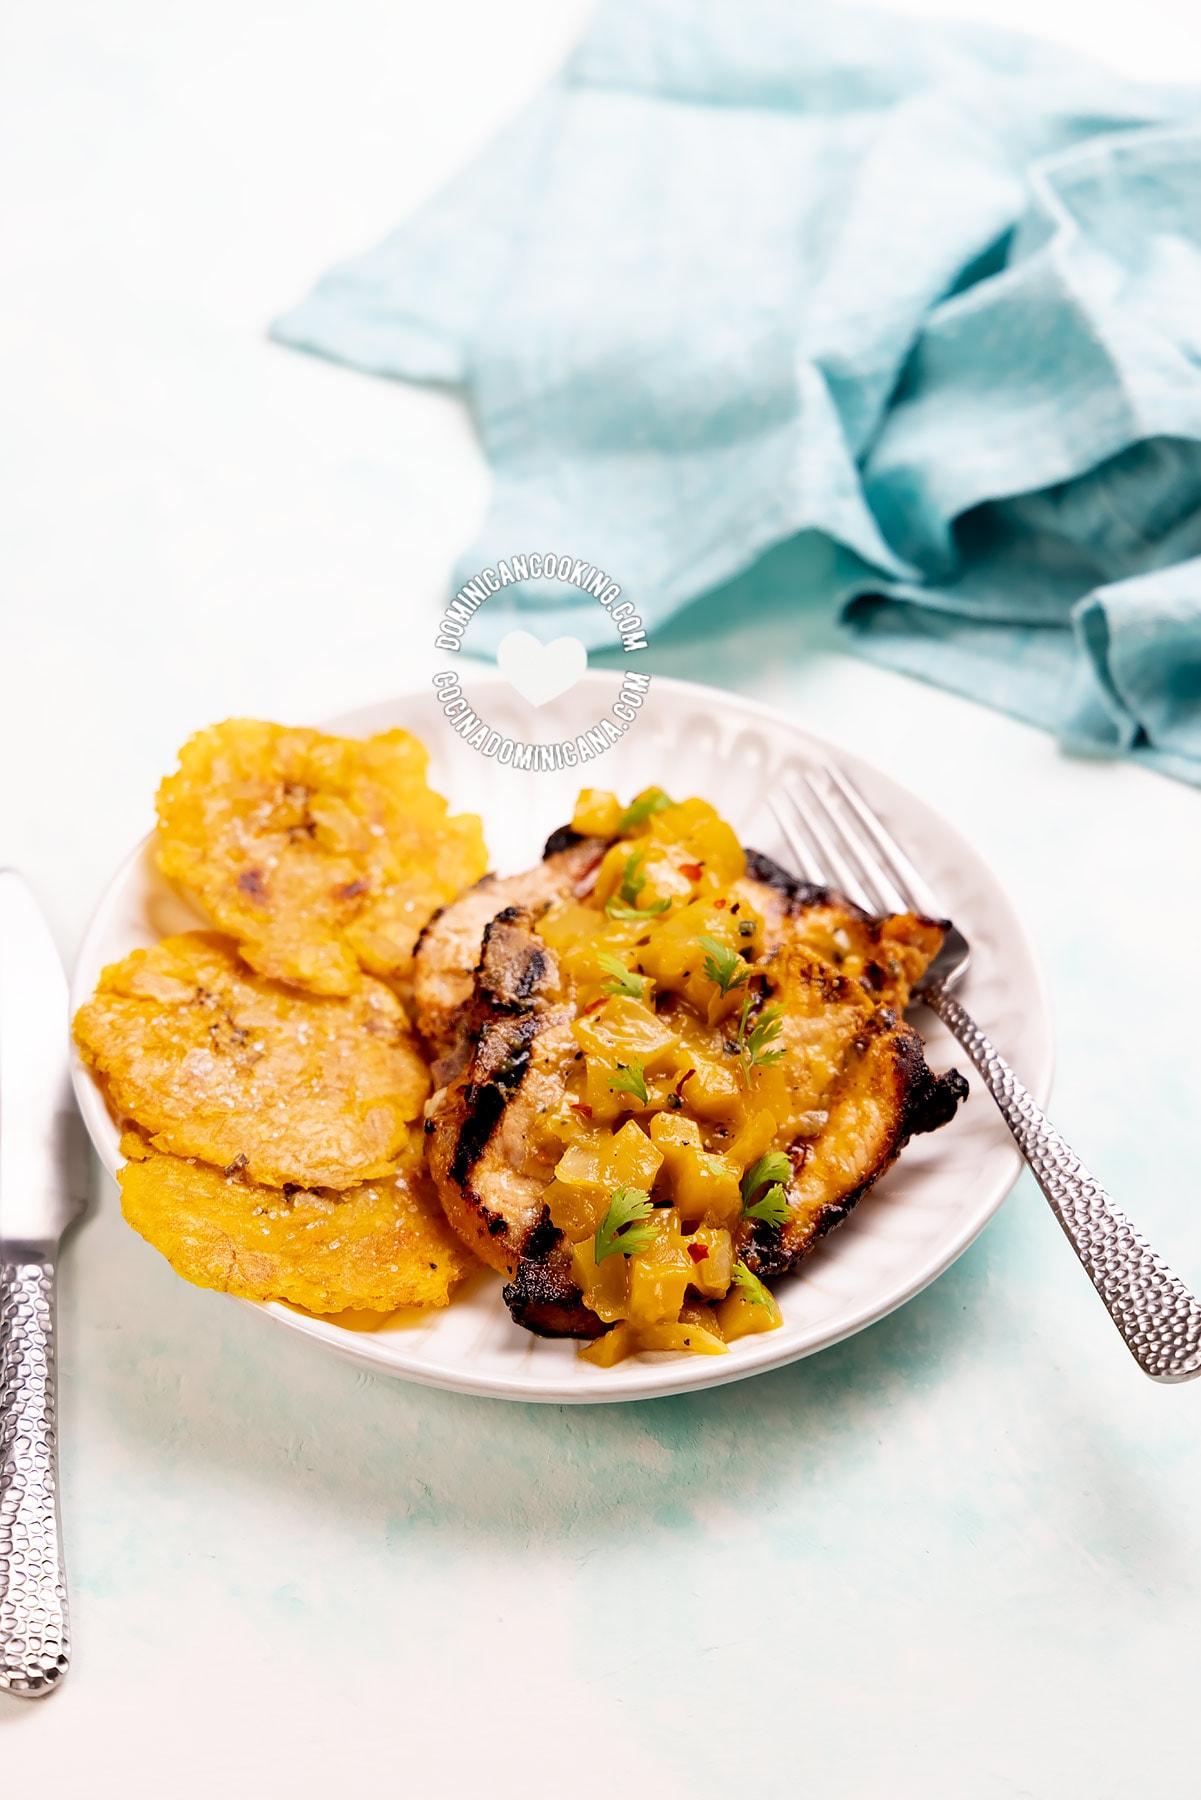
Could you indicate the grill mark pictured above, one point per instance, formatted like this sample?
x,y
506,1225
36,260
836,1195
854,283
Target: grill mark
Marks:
x,y
542,1297
485,1101
926,1102
541,1294
799,894
512,966
564,838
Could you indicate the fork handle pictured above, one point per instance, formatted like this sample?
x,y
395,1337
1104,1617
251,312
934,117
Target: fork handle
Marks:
x,y
34,1640
1154,1311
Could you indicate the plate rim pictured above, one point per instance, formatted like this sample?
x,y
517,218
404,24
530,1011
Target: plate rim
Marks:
x,y
665,1375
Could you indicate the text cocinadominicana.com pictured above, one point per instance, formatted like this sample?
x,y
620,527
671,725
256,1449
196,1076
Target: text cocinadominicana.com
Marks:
x,y
568,753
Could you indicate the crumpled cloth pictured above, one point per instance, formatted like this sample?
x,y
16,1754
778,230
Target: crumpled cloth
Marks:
x,y
752,273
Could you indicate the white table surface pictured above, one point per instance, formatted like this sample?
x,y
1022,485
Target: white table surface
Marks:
x,y
959,1555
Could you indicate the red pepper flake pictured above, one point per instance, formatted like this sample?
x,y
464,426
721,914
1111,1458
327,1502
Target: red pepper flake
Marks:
x,y
583,1106
692,870
593,1006
719,903
698,1252
686,1076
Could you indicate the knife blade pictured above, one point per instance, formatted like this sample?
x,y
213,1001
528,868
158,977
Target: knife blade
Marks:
x,y
42,1189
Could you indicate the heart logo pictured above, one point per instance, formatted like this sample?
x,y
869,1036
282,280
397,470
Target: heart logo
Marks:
x,y
541,672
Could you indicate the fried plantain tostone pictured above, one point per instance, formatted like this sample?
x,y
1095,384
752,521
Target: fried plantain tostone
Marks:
x,y
375,1247
213,1061
320,855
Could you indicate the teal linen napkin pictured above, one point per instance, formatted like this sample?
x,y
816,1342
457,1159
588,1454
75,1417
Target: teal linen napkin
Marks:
x,y
752,273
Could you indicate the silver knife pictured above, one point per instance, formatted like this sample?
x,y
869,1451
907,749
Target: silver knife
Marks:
x,y
42,1188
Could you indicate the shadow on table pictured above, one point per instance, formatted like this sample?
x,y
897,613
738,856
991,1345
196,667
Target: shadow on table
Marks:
x,y
207,1396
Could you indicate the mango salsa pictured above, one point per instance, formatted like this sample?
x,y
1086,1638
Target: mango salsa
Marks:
x,y
667,1108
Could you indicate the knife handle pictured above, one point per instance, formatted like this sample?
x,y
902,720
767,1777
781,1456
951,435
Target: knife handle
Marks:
x,y
34,1629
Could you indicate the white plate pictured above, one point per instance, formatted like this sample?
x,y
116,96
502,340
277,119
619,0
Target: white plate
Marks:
x,y
690,740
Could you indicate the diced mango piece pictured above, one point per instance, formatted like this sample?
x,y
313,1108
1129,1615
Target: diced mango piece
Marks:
x,y
659,1276
696,1312
584,1165
697,828
754,1139
679,1336
596,813
708,1188
713,1091
590,1169
624,1029
621,1034
604,1285
635,1159
570,927
711,1271
613,1347
628,1158
624,1340
676,959
703,1186
740,1314
635,874
672,1132
576,1208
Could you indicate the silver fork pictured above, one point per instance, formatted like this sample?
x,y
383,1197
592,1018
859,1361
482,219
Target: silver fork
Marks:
x,y
837,841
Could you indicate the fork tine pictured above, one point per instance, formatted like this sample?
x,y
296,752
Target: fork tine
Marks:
x,y
883,897
915,891
838,871
807,868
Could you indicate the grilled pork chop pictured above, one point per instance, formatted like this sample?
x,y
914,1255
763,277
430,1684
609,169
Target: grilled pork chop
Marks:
x,y
482,1129
448,951
501,1027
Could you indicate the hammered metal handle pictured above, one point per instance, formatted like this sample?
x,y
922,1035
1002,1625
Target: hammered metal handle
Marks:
x,y
1154,1311
34,1632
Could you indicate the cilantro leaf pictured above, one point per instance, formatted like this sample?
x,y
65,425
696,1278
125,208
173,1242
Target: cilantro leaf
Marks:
x,y
616,910
751,1286
630,1079
624,981
723,965
772,1172
752,1046
624,904
772,1207
633,879
620,1232
775,1166
638,811
766,1031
